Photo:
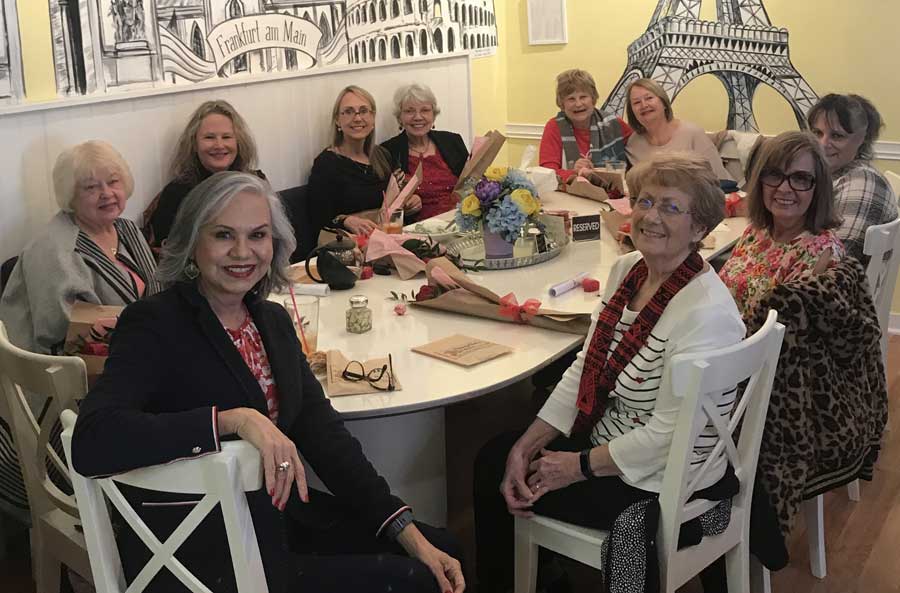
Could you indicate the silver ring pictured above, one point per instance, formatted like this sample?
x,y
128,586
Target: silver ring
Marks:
x,y
283,466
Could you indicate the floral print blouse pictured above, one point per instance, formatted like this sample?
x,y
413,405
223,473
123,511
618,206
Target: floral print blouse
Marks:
x,y
758,263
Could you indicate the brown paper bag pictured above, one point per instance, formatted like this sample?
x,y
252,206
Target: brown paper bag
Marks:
x,y
581,187
481,159
613,221
475,300
82,318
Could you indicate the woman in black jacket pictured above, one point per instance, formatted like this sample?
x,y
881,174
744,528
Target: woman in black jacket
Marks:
x,y
441,154
210,357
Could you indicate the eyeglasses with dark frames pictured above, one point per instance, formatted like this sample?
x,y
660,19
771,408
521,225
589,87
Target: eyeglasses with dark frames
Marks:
x,y
798,180
355,372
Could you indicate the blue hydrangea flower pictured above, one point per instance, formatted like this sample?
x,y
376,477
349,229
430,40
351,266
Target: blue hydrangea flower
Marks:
x,y
516,179
505,219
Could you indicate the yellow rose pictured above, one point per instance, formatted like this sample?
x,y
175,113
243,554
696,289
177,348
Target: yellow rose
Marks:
x,y
471,206
526,202
496,173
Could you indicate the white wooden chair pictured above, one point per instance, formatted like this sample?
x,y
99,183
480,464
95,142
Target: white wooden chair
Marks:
x,y
222,478
881,273
55,535
692,376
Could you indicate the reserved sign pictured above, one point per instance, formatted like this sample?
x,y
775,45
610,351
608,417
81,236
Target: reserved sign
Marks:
x,y
586,228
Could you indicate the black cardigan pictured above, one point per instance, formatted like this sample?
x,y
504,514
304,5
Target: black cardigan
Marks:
x,y
170,198
450,145
170,362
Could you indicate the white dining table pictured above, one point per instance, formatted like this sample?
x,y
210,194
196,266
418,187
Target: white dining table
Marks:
x,y
402,432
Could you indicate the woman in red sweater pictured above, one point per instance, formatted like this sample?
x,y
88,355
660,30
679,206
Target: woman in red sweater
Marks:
x,y
581,135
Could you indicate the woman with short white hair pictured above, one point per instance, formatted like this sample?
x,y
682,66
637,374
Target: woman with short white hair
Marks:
x,y
85,253
441,154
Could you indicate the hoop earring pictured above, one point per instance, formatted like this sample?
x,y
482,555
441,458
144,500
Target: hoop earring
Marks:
x,y
191,270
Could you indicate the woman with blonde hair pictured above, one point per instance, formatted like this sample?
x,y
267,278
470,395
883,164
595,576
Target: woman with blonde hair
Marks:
x,y
216,138
581,136
85,253
350,176
656,129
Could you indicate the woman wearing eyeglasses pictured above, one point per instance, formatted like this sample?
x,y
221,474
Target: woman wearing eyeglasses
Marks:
x,y
442,154
792,216
349,177
601,441
211,358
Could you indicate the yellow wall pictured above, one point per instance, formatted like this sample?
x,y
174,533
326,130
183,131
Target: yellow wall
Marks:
x,y
490,93
37,53
837,46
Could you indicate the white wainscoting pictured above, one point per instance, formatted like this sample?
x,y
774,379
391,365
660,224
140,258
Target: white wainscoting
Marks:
x,y
288,115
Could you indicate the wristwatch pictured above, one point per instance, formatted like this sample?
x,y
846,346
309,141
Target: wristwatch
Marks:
x,y
393,529
585,458
339,220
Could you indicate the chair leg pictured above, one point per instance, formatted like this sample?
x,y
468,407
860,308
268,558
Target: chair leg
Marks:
x,y
853,490
47,573
526,555
737,567
760,579
815,530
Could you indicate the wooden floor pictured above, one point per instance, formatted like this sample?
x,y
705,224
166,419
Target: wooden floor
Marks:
x,y
862,539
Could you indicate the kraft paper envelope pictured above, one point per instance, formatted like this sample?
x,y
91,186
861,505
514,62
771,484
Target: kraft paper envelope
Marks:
x,y
463,350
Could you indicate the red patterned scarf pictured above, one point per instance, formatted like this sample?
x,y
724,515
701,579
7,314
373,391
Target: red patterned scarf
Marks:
x,y
598,378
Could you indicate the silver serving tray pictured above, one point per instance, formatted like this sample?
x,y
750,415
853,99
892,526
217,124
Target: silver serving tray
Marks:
x,y
471,250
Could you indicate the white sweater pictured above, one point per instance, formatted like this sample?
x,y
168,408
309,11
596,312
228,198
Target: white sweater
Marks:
x,y
640,419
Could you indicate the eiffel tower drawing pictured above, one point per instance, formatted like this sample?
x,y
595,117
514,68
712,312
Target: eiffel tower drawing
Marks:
x,y
741,48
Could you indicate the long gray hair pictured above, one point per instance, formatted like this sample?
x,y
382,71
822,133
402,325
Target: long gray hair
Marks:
x,y
202,205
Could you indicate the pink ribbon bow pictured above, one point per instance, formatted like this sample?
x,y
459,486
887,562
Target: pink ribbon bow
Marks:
x,y
510,307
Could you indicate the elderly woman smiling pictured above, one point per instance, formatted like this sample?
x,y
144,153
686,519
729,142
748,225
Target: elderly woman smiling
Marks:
x,y
85,253
441,154
792,214
211,357
846,127
601,440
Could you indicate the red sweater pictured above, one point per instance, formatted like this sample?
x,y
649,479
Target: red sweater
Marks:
x,y
551,145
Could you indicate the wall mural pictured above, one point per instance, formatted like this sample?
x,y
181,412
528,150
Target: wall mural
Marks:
x,y
102,45
741,48
10,61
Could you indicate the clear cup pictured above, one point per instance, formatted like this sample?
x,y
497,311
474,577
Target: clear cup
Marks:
x,y
394,223
308,326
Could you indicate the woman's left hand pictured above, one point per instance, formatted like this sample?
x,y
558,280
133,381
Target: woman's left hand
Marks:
x,y
412,204
445,568
553,470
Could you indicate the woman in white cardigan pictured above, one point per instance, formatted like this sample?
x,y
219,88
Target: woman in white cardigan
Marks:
x,y
85,253
601,440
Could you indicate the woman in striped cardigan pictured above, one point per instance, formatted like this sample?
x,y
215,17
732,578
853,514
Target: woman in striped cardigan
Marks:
x,y
85,253
601,441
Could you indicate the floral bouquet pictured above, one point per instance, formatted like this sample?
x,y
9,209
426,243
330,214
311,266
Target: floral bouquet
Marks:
x,y
501,203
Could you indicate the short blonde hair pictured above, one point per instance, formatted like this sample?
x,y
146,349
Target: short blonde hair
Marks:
x,y
689,173
186,166
83,161
660,93
572,81
414,92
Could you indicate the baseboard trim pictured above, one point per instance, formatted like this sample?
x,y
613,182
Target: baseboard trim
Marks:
x,y
886,151
894,324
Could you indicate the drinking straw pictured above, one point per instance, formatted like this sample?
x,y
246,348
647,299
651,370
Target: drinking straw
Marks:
x,y
299,320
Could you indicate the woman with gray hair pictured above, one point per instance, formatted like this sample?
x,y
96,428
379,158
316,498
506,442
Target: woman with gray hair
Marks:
x,y
85,253
210,357
441,154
